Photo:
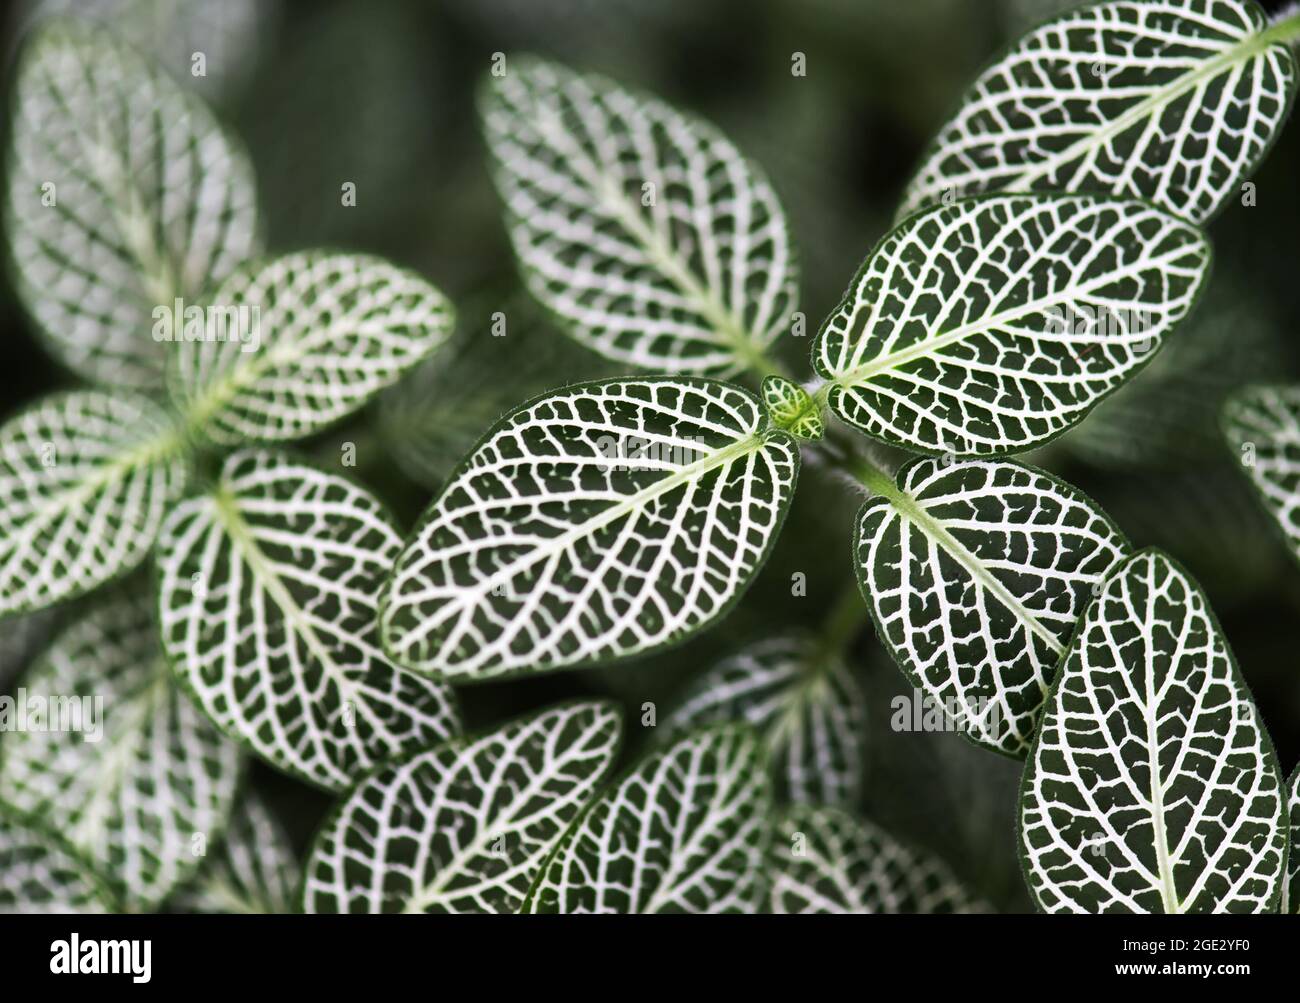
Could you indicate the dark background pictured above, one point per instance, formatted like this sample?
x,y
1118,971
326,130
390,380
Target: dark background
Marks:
x,y
381,93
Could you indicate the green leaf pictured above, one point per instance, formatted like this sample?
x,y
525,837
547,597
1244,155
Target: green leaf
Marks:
x,y
38,874
1262,426
643,229
685,831
124,195
85,481
268,611
825,861
1152,786
590,524
145,781
994,324
1174,101
463,827
253,871
1291,890
976,573
317,335
805,704
791,408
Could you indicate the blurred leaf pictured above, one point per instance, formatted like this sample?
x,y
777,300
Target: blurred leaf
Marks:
x,y
39,875
325,332
85,481
463,827
1262,426
141,800
685,832
124,195
825,861
268,587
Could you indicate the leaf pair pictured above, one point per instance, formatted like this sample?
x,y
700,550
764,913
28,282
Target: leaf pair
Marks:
x,y
510,820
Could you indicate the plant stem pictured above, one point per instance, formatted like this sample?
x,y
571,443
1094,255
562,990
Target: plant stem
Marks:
x,y
1285,27
847,617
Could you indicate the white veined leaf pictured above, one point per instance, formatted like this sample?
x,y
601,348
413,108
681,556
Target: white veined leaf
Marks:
x,y
228,34
124,195
254,870
976,573
593,523
1262,426
85,481
40,875
1291,892
994,324
137,779
1174,101
826,861
685,831
1152,786
296,343
268,599
643,229
792,408
803,701
463,827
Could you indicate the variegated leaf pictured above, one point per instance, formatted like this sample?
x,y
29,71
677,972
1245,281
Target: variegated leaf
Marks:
x,y
593,523
465,826
268,598
792,408
976,573
1152,786
1173,101
825,861
1262,426
85,481
803,701
124,195
685,831
254,870
297,343
135,777
994,324
40,875
643,229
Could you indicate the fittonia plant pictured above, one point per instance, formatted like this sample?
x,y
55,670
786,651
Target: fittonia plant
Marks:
x,y
1047,247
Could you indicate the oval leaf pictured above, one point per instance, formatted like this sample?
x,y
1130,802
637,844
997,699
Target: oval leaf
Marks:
x,y
254,871
825,861
593,523
976,573
644,230
1174,101
994,324
1152,786
135,772
685,831
297,343
85,481
268,594
124,196
1262,426
39,875
803,701
463,827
